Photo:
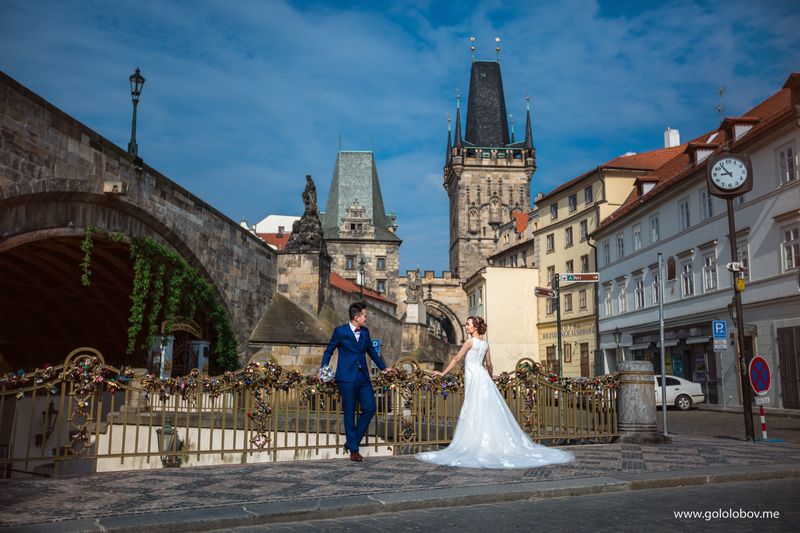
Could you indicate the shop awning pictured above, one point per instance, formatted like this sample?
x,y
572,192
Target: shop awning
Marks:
x,y
698,340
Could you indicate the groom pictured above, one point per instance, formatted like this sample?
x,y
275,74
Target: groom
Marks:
x,y
352,374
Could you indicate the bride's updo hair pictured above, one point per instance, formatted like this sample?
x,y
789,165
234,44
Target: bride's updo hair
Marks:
x,y
479,323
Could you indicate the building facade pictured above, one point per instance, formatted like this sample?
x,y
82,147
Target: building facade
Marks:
x,y
565,218
486,174
503,297
360,237
671,212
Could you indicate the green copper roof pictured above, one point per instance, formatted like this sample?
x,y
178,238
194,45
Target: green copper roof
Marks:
x,y
355,177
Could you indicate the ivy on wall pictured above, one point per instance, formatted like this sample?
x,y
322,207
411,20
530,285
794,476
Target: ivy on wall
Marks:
x,y
165,286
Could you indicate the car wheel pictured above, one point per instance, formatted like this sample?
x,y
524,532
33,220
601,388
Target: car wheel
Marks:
x,y
683,402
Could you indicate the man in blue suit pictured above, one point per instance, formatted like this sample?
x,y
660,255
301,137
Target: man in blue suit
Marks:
x,y
352,375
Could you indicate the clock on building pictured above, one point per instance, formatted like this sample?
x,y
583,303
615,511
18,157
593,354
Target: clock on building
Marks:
x,y
729,175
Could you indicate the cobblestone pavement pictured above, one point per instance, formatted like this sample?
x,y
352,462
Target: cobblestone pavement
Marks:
x,y
635,511
141,492
697,422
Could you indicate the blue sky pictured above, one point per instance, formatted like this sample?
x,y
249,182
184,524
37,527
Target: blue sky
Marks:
x,y
243,99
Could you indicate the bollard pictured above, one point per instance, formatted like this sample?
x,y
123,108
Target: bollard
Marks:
x,y
636,404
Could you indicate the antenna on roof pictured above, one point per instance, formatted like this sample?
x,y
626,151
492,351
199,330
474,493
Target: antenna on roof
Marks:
x,y
721,106
472,47
497,48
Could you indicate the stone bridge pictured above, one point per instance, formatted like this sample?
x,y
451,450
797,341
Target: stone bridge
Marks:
x,y
58,177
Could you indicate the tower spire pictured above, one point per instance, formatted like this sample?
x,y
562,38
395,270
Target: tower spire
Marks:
x,y
472,47
458,121
528,132
449,143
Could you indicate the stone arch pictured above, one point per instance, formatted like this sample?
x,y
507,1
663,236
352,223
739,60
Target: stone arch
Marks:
x,y
40,274
448,318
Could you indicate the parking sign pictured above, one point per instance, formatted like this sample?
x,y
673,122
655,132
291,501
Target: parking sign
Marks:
x,y
720,329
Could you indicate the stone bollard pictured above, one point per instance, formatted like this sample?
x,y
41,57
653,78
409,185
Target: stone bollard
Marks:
x,y
636,404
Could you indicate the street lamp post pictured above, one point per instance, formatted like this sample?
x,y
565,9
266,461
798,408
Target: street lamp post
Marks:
x,y
617,340
137,81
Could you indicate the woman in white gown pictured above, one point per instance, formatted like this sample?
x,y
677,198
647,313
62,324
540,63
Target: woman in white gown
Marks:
x,y
486,434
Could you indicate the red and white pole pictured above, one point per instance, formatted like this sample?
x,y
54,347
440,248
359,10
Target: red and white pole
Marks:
x,y
763,422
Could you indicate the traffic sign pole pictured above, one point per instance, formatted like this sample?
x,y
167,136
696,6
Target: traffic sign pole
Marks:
x,y
558,321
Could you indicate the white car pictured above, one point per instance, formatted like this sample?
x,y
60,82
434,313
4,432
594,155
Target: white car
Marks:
x,y
681,393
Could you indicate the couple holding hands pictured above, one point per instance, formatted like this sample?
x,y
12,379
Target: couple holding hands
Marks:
x,y
487,434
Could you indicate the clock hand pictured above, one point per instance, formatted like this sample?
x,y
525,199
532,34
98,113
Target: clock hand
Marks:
x,y
727,172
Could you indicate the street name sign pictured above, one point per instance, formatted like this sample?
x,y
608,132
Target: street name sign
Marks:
x,y
543,292
759,374
586,277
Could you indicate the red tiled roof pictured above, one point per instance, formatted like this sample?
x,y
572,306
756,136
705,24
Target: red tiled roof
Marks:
x,y
645,161
520,221
348,286
767,113
278,240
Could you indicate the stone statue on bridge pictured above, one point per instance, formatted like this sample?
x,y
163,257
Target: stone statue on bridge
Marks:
x,y
307,232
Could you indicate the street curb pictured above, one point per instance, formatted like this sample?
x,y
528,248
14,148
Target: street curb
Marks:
x,y
770,411
208,518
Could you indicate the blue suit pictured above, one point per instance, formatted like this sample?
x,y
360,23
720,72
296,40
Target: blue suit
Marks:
x,y
352,376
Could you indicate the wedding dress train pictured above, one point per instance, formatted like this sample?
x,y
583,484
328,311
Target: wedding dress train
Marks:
x,y
486,434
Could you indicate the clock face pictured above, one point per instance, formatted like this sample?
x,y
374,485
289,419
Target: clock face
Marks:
x,y
729,173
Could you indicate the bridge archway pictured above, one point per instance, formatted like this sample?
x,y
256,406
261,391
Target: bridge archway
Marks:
x,y
50,312
447,319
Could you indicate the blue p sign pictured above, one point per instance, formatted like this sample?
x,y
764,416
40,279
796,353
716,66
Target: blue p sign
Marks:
x,y
376,343
719,329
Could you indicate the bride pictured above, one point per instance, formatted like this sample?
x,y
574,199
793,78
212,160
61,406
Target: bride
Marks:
x,y
487,435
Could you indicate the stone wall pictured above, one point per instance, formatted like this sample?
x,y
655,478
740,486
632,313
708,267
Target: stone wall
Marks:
x,y
57,173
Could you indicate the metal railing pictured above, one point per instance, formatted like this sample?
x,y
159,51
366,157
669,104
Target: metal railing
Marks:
x,y
86,416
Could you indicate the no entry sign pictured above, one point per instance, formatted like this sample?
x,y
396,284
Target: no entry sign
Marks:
x,y
759,375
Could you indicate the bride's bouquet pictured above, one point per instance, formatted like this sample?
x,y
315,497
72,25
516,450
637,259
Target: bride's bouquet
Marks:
x,y
325,374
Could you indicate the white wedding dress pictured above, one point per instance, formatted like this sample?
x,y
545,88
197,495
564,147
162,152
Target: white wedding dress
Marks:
x,y
487,435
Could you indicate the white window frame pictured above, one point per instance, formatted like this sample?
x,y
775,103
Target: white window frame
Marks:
x,y
710,282
572,202
655,229
588,195
609,306
684,214
570,266
568,236
622,298
790,248
584,230
687,279
637,237
638,293
568,303
786,161
606,252
551,273
707,204
582,298
378,284
585,264
620,245
655,292
554,211
550,240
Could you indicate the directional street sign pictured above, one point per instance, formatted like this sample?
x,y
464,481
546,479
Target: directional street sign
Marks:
x,y
759,375
543,292
720,329
583,277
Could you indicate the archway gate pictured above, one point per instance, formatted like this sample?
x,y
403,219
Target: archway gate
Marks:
x,y
86,416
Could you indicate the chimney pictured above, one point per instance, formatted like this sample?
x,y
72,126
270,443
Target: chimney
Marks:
x,y
671,138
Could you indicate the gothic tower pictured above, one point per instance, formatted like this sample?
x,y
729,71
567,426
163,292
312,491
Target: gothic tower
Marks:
x,y
487,175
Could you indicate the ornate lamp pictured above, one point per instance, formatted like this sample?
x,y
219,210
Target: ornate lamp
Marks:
x,y
361,274
137,82
617,339
49,418
167,443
